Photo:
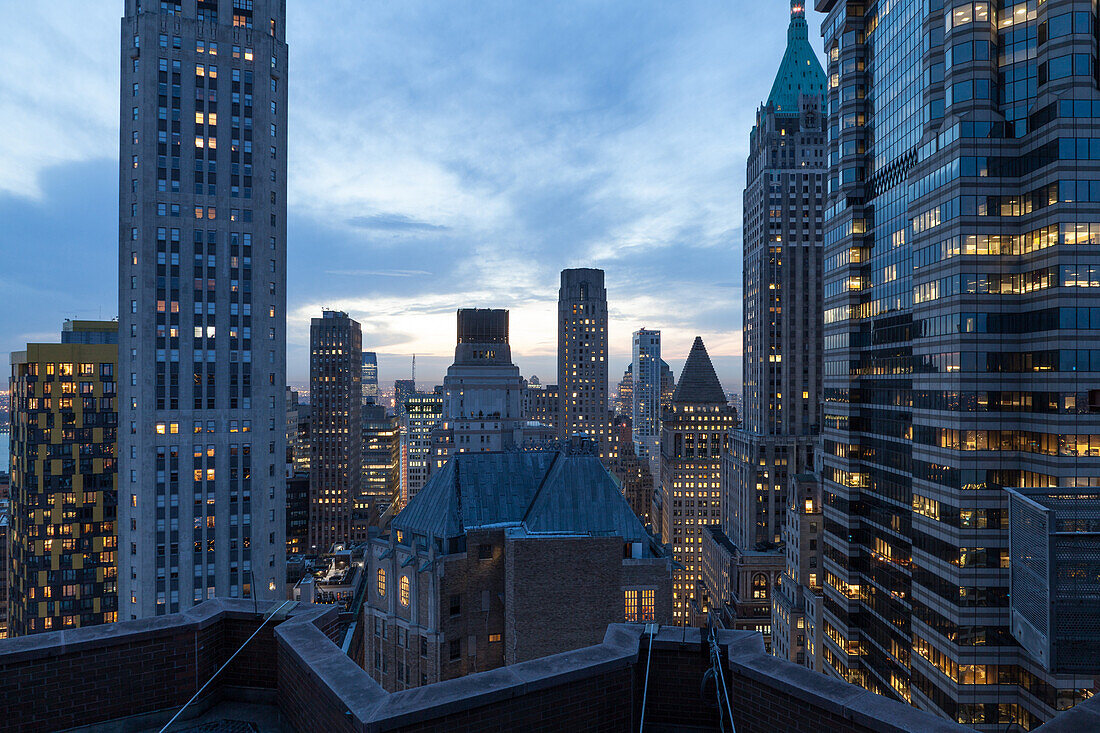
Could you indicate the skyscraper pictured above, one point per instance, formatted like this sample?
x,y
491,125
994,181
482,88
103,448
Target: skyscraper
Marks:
x,y
645,397
381,485
202,302
694,436
370,377
483,390
582,356
63,570
782,294
422,415
960,236
336,438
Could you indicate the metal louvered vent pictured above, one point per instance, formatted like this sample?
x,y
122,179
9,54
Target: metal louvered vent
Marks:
x,y
1054,545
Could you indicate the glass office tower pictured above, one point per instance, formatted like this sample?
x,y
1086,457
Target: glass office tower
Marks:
x,y
960,286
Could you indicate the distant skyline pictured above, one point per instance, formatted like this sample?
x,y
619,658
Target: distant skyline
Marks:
x,y
437,161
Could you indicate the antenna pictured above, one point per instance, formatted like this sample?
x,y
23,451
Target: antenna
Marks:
x,y
414,371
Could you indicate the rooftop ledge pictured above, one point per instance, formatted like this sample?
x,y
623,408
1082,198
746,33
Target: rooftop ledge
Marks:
x,y
134,675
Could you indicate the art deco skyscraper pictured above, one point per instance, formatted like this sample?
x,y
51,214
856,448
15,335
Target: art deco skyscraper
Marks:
x,y
336,429
694,435
781,418
202,303
582,356
961,279
482,391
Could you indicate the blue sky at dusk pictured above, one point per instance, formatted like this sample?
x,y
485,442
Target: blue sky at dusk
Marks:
x,y
442,155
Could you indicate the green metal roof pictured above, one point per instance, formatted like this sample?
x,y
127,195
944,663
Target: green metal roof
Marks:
x,y
545,491
800,72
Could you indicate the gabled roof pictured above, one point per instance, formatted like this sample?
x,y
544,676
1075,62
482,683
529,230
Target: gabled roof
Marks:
x,y
545,491
800,72
579,495
698,383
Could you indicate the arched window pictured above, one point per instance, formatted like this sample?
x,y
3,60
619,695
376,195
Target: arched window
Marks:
x,y
403,590
382,582
760,586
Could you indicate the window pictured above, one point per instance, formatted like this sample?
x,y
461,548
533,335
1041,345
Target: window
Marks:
x,y
494,638
759,586
484,552
456,649
456,604
382,582
403,590
631,598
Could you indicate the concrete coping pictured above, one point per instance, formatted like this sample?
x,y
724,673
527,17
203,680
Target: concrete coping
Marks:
x,y
619,650
206,614
746,657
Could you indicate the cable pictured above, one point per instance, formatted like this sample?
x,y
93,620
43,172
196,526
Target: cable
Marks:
x,y
267,618
652,629
716,661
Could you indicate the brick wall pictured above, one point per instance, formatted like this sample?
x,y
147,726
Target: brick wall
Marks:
x,y
102,674
560,594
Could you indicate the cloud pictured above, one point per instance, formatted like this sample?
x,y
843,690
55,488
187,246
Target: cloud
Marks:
x,y
378,273
438,158
394,223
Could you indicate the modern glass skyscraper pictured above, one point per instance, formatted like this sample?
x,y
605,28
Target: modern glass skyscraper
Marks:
x,y
960,282
582,356
781,418
370,377
202,303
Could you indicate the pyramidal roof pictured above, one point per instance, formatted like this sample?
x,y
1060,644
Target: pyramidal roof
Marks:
x,y
800,72
698,383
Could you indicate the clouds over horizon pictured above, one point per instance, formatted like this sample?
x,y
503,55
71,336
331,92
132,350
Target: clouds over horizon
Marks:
x,y
437,161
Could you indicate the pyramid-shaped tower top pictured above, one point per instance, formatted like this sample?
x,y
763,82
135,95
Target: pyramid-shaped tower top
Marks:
x,y
698,383
800,72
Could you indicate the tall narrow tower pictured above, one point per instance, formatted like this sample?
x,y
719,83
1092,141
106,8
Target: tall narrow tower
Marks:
x,y
645,397
336,513
782,411
202,303
582,356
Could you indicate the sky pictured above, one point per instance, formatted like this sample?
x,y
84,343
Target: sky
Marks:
x,y
441,155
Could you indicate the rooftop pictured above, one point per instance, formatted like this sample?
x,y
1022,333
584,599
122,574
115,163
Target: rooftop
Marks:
x,y
290,676
800,72
698,382
542,491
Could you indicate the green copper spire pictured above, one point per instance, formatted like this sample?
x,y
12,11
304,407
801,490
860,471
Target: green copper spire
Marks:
x,y
800,72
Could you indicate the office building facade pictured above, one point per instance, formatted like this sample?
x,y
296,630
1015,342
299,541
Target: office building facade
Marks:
x,y
645,396
61,540
582,356
202,302
782,261
694,437
336,438
421,415
379,498
962,212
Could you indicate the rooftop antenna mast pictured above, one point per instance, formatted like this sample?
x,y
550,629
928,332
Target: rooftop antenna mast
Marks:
x,y
414,370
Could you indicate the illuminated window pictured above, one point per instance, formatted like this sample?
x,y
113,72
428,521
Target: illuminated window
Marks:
x,y
631,606
759,586
382,582
403,590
